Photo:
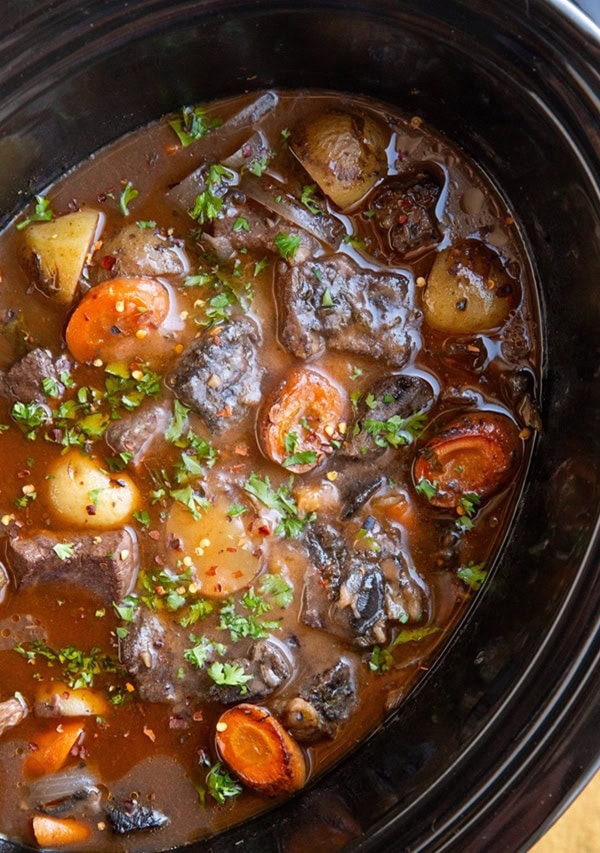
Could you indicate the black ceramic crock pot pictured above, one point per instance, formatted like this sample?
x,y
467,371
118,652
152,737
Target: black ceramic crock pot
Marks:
x,y
505,728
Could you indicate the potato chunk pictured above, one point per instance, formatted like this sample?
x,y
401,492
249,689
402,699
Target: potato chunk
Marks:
x,y
56,252
224,555
468,290
344,153
82,494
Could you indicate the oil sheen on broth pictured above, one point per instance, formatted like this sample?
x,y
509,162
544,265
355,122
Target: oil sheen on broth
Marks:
x,y
269,380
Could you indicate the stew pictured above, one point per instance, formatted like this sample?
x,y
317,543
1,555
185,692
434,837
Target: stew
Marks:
x,y
269,372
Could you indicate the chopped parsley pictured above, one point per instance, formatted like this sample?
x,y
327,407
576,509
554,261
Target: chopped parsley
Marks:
x,y
78,667
395,431
259,266
177,422
380,660
241,224
473,575
466,508
282,501
42,212
229,674
287,244
64,550
426,488
128,194
249,624
193,124
220,785
307,199
203,649
260,164
276,589
208,204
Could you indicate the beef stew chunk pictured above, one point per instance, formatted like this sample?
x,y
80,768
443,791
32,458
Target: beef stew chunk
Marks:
x,y
335,305
263,416
25,380
405,214
103,563
219,376
322,706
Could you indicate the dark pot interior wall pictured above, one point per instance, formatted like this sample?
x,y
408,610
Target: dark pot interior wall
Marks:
x,y
499,719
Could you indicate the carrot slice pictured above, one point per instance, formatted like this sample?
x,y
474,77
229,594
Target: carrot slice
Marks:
x,y
474,454
58,832
257,748
114,319
299,422
52,748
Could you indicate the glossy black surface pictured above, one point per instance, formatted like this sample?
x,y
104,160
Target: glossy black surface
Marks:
x,y
504,729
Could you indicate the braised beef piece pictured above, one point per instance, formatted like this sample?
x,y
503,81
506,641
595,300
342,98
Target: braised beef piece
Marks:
x,y
219,376
353,593
23,381
333,304
389,401
130,815
268,667
12,711
322,705
243,224
136,251
135,433
104,563
405,212
152,653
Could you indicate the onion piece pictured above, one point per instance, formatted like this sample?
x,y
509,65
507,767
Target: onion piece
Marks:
x,y
66,792
273,195
252,150
226,137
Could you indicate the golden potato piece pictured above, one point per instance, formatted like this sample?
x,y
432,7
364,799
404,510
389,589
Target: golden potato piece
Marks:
x,y
468,290
78,483
56,252
224,556
345,154
57,699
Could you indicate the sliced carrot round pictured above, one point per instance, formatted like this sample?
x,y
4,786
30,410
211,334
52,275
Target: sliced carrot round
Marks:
x,y
298,424
474,454
58,832
257,748
116,319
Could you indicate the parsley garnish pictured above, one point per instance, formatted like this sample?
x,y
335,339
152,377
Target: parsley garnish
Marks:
x,y
287,244
78,667
240,625
64,550
220,784
280,500
466,508
207,204
193,125
127,196
258,166
276,588
380,660
307,199
395,431
241,224
473,575
229,674
177,422
426,488
41,213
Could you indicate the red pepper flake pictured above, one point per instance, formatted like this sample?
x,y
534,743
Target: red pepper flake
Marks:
x,y
90,509
154,534
212,571
403,219
108,262
237,574
197,717
264,530
231,549
241,450
226,412
21,475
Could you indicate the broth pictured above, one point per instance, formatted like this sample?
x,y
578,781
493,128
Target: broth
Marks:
x,y
260,449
